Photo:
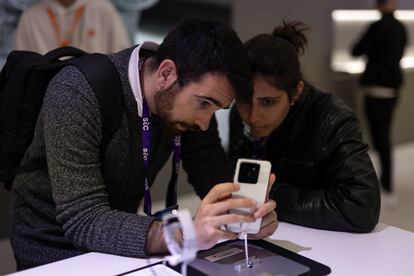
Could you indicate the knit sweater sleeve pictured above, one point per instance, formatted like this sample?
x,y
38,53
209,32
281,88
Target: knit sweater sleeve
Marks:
x,y
204,159
72,131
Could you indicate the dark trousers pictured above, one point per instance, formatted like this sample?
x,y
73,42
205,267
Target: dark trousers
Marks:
x,y
379,113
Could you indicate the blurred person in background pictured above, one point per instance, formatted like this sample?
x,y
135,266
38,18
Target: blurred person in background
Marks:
x,y
91,25
325,178
383,44
130,11
10,11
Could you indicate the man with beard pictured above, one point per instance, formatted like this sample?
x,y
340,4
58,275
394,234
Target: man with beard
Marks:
x,y
86,198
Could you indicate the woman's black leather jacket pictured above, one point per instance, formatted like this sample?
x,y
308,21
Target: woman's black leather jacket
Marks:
x,y
324,177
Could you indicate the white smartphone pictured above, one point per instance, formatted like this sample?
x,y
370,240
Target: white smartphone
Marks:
x,y
253,177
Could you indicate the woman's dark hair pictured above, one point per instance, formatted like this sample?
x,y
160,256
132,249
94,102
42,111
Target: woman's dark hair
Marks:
x,y
382,2
276,56
200,46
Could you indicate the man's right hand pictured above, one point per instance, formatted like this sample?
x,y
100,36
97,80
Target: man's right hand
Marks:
x,y
213,213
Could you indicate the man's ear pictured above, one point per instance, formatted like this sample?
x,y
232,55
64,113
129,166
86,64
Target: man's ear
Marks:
x,y
298,91
166,74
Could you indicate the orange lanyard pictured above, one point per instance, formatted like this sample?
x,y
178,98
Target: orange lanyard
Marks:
x,y
65,40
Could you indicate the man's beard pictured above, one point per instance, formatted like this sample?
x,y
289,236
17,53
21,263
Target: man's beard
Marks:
x,y
164,103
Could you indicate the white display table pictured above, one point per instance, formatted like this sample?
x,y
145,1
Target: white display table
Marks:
x,y
386,251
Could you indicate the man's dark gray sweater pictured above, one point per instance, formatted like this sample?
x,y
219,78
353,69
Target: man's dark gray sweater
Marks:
x,y
78,203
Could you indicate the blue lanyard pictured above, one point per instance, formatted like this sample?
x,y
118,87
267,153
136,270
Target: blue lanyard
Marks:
x,y
146,150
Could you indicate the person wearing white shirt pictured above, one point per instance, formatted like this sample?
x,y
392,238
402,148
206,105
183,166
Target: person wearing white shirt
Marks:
x,y
91,25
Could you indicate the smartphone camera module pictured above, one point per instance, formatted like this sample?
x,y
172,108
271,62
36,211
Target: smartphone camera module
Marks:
x,y
249,173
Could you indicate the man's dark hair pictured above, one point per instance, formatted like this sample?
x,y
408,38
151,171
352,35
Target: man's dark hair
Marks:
x,y
200,46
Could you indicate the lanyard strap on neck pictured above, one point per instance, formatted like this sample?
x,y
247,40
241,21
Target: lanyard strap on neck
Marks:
x,y
146,150
172,185
66,39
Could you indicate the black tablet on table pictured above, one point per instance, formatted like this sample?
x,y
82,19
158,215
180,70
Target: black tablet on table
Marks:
x,y
221,259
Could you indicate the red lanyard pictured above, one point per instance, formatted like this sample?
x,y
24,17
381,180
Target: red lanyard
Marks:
x,y
66,39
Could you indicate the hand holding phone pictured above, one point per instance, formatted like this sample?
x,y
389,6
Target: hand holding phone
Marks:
x,y
253,177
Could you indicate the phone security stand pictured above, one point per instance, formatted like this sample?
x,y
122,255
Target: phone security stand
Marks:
x,y
248,262
187,250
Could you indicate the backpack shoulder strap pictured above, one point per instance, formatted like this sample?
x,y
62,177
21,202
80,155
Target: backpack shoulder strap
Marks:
x,y
105,82
98,70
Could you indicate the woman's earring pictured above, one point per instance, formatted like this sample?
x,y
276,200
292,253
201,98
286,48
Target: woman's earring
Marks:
x,y
292,103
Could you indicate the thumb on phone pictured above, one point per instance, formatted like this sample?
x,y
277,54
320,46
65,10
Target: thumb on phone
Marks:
x,y
272,179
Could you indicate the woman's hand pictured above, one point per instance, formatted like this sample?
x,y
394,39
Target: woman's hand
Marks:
x,y
213,213
268,214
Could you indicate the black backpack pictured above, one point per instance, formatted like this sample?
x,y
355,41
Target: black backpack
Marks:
x,y
23,82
